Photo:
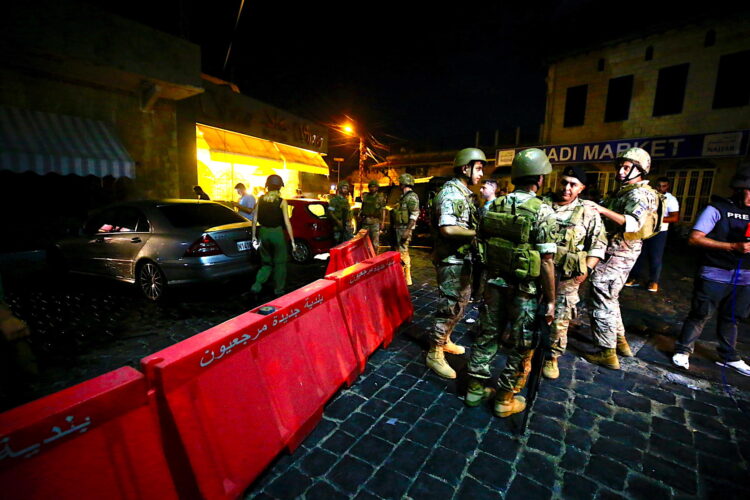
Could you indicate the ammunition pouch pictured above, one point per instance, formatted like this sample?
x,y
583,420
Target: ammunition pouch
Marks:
x,y
513,228
570,263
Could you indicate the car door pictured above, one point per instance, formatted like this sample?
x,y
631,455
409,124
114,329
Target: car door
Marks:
x,y
130,232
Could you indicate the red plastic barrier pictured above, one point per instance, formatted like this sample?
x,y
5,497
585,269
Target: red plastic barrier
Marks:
x,y
98,439
375,301
350,252
239,393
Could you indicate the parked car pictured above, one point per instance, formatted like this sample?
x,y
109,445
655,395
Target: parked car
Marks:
x,y
159,243
312,228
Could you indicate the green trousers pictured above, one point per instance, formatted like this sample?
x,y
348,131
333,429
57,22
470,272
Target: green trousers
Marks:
x,y
273,257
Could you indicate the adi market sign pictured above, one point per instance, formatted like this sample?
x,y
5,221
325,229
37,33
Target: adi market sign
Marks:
x,y
660,148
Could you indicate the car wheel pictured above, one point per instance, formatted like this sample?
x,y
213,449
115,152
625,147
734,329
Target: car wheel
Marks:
x,y
151,281
302,254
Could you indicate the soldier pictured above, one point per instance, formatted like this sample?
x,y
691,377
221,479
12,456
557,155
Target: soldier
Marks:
x,y
372,213
519,231
340,211
581,241
455,223
629,216
405,216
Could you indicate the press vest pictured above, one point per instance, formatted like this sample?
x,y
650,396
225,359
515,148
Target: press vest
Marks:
x,y
732,227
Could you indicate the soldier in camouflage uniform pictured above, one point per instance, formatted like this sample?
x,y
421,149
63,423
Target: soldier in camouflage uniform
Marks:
x,y
341,213
519,233
455,224
405,216
372,213
580,245
629,216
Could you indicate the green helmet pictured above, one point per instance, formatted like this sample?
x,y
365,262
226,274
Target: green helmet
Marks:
x,y
638,156
372,183
530,162
405,180
468,155
342,184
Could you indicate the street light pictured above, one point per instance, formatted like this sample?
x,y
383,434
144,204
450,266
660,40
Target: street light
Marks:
x,y
348,129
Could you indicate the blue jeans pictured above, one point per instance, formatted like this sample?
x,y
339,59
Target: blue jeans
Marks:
x,y
652,252
732,303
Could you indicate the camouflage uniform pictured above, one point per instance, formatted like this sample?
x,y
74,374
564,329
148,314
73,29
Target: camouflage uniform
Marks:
x,y
507,298
580,229
637,203
454,206
406,211
340,207
372,213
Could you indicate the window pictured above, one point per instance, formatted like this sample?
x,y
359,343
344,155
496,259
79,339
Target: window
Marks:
x,y
618,99
732,89
203,215
649,53
317,209
670,90
692,188
575,106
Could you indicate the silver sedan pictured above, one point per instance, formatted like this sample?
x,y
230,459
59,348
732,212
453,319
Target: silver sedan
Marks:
x,y
159,243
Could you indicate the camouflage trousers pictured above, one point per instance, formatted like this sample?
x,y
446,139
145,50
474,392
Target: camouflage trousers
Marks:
x,y
454,287
342,235
565,310
607,281
501,305
372,224
401,244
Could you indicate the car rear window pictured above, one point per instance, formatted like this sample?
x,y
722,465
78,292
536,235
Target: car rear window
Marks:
x,y
207,215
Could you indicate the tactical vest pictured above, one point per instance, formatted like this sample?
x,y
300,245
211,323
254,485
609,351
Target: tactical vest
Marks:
x,y
732,227
652,225
448,249
506,228
370,205
568,259
400,214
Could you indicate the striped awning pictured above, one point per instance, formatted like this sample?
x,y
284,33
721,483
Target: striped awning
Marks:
x,y
33,141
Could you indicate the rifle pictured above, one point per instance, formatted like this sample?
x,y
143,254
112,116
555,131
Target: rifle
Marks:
x,y
541,348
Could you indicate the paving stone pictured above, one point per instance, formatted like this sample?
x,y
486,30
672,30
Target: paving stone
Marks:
x,y
547,426
404,381
408,457
678,389
552,393
593,390
390,429
694,406
637,420
461,439
338,442
387,483
323,429
550,408
405,412
375,407
419,398
708,425
371,449
323,491
576,486
370,385
719,489
605,494
632,402
674,451
593,406
500,445
726,470
606,471
428,488
578,437
623,453
583,376
441,415
291,484
318,462
475,490
622,433
655,393
574,460
350,473
674,414
491,471
721,401
543,443
426,433
671,430
390,394
476,418
582,418
446,464
720,447
678,477
642,487
735,419
535,465
357,423
524,488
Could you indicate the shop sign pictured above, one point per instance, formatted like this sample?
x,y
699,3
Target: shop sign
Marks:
x,y
660,148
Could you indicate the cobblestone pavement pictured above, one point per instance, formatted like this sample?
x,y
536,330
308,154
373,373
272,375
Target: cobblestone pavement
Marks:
x,y
646,431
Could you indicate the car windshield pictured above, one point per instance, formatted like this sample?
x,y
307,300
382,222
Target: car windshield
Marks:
x,y
194,215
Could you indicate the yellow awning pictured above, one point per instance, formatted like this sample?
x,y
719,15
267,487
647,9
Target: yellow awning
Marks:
x,y
233,147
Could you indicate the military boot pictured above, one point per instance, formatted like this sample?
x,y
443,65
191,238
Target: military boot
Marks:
x,y
605,357
407,275
452,348
623,349
550,369
507,403
477,393
436,362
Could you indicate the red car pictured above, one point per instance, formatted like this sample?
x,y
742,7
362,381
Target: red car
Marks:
x,y
313,229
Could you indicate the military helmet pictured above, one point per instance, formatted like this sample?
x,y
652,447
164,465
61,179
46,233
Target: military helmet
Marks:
x,y
342,184
530,162
638,156
274,182
405,180
372,183
468,155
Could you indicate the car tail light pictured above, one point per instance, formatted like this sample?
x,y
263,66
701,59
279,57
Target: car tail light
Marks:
x,y
204,247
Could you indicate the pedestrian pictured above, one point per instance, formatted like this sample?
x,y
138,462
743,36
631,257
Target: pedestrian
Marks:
x,y
200,193
341,213
519,231
629,216
404,218
487,193
246,204
372,213
581,242
653,248
723,280
271,213
455,225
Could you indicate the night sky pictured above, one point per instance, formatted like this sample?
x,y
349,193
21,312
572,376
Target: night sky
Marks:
x,y
413,76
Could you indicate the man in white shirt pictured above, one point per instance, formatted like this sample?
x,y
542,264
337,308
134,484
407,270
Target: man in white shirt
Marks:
x,y
653,248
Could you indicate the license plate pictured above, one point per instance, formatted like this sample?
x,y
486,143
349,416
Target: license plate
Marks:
x,y
244,245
